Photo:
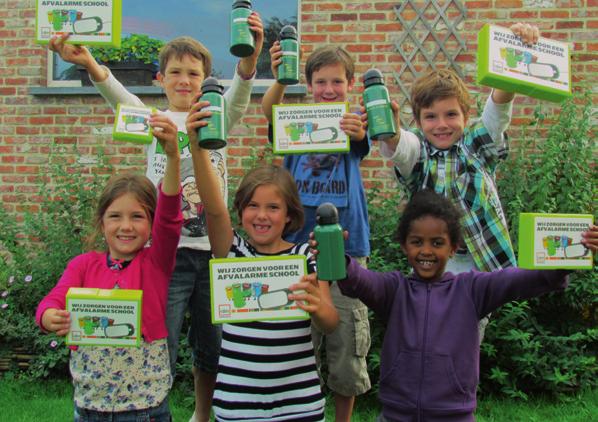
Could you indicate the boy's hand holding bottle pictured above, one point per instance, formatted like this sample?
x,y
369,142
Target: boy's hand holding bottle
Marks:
x,y
248,64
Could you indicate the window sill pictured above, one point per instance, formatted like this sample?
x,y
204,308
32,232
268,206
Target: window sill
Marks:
x,y
294,90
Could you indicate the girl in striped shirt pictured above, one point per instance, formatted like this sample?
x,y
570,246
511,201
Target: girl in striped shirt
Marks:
x,y
267,369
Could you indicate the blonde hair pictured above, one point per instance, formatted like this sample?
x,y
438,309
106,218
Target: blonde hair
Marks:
x,y
118,185
284,182
438,85
183,46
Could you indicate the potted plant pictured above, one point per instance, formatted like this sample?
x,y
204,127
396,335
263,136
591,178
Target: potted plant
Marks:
x,y
134,63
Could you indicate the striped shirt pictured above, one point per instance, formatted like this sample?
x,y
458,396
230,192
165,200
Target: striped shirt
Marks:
x,y
267,369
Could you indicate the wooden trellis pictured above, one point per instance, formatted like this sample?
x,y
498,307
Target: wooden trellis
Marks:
x,y
430,39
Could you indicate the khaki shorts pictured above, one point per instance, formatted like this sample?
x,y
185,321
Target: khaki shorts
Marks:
x,y
346,347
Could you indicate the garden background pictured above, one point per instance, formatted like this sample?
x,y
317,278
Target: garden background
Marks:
x,y
56,150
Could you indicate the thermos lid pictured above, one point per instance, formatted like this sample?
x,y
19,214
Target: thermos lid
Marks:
x,y
242,3
288,31
373,77
326,214
211,85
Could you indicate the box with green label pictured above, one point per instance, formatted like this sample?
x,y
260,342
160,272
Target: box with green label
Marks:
x,y
542,70
131,124
255,289
102,317
554,241
90,22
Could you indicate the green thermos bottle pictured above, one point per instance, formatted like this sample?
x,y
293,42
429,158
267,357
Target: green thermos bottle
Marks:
x,y
330,260
288,71
381,122
213,136
242,43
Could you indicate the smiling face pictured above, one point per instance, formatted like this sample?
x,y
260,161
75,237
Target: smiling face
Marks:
x,y
330,84
443,122
126,226
182,81
428,247
264,219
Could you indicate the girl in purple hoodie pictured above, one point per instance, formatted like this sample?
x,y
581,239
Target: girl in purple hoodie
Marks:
x,y
430,354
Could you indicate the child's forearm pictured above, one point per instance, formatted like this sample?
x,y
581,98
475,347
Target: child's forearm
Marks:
x,y
217,216
273,96
96,72
171,183
502,97
326,318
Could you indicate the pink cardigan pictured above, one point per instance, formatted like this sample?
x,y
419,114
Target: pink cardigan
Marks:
x,y
149,271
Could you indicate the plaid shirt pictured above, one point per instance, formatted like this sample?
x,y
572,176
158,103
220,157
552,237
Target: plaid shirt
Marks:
x,y
465,174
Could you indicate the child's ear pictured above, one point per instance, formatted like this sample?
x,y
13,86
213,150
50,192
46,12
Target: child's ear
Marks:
x,y
309,88
351,84
159,77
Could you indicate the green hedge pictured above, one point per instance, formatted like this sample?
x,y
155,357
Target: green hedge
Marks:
x,y
548,345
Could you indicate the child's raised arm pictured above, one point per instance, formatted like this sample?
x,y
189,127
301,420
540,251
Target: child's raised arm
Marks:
x,y
165,132
248,64
77,54
529,34
220,230
275,92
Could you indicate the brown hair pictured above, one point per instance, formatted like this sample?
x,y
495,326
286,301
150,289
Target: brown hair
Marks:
x,y
438,85
140,186
282,179
182,46
326,56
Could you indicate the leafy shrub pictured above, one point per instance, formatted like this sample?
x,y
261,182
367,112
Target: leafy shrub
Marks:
x,y
138,47
34,254
548,344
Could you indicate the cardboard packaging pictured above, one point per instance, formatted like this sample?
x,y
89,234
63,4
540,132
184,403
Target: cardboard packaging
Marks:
x,y
90,22
131,124
542,70
550,241
309,128
255,289
101,317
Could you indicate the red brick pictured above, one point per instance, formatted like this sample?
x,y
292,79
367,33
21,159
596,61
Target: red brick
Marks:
x,y
569,24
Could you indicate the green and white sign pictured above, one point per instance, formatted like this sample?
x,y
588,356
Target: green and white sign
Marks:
x,y
90,22
104,317
542,70
304,128
553,241
131,124
255,289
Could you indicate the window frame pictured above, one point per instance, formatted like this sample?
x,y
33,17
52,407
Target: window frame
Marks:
x,y
75,83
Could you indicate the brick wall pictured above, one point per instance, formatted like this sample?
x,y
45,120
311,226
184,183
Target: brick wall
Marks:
x,y
30,125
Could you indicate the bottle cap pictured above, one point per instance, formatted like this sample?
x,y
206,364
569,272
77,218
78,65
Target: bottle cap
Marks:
x,y
288,31
242,3
373,77
211,85
326,214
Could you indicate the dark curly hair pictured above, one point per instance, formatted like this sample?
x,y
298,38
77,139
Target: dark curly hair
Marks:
x,y
429,203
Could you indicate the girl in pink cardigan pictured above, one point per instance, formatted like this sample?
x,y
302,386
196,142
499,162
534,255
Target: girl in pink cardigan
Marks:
x,y
126,382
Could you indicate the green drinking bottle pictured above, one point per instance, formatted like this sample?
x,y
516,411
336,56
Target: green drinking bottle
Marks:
x,y
288,71
330,260
242,43
213,136
381,122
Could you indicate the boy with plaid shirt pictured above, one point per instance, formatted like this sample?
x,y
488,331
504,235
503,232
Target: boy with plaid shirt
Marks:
x,y
459,162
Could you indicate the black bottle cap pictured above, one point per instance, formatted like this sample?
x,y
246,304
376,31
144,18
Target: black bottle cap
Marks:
x,y
211,85
373,77
242,3
326,214
288,31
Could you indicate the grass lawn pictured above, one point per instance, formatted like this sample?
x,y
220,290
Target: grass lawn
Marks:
x,y
32,401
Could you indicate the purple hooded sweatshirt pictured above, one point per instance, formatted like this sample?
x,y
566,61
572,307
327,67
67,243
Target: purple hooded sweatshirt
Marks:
x,y
429,369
